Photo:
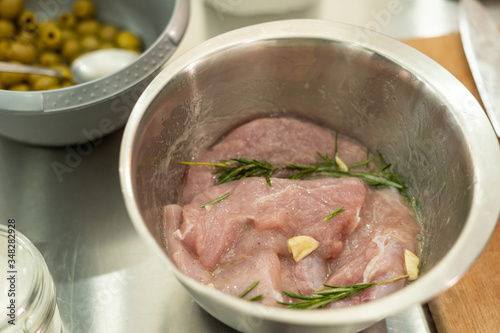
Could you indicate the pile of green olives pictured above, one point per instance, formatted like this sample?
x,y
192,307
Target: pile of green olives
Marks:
x,y
53,43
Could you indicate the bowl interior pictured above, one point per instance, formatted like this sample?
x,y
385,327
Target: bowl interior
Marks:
x,y
320,73
339,86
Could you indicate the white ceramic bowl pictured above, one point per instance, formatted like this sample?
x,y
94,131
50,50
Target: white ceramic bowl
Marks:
x,y
374,89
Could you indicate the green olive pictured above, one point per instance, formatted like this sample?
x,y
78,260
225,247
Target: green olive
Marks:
x,y
10,9
108,33
42,25
27,18
66,72
129,41
32,78
54,86
10,79
71,49
23,52
27,36
39,44
5,46
106,45
50,58
46,83
67,21
67,34
67,83
7,28
90,43
46,25
51,37
84,9
20,87
88,27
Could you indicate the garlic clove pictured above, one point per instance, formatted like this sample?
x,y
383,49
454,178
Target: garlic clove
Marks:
x,y
301,246
342,166
411,263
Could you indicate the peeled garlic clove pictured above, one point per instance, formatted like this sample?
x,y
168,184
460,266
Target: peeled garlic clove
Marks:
x,y
411,263
341,164
301,246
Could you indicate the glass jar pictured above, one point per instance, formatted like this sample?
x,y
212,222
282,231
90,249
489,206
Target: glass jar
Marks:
x,y
28,294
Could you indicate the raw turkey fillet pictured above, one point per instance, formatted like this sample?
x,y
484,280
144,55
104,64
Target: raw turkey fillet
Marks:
x,y
288,208
279,141
243,238
375,250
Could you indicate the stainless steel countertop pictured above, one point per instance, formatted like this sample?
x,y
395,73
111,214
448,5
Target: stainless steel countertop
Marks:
x,y
107,280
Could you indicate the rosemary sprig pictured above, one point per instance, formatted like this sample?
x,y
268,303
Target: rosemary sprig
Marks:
x,y
239,168
335,213
249,289
322,298
219,199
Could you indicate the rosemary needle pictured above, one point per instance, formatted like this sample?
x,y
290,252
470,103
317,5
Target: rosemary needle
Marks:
x,y
219,199
256,298
239,168
361,163
249,289
335,213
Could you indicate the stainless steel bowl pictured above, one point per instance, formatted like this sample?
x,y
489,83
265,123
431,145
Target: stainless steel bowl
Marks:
x,y
91,110
377,90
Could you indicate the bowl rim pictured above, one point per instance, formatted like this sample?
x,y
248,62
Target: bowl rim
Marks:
x,y
150,61
468,114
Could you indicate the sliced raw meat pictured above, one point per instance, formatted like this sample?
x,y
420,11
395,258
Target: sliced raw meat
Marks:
x,y
375,251
292,207
182,258
243,238
263,267
309,274
253,240
279,141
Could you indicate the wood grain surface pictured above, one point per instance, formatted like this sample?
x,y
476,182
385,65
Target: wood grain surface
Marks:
x,y
473,303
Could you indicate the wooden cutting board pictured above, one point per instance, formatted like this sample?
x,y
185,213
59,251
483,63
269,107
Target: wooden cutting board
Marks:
x,y
473,303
